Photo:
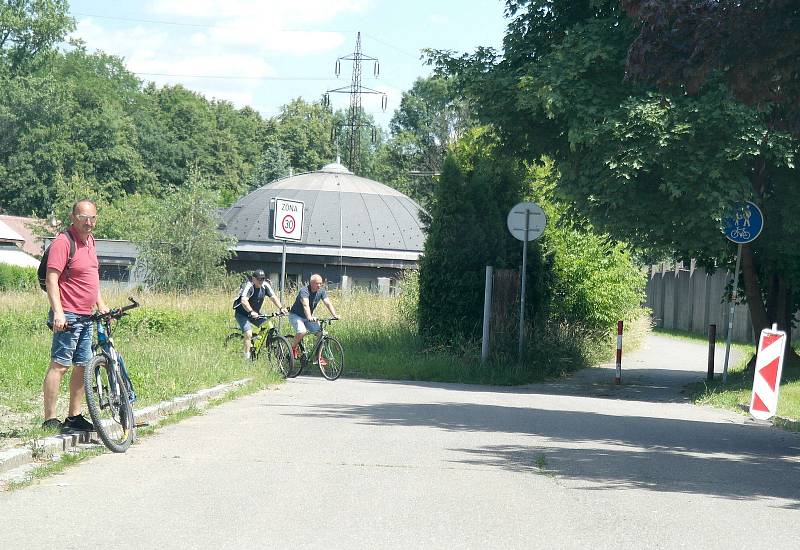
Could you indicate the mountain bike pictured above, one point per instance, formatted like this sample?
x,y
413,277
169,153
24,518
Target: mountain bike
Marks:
x,y
327,353
268,343
109,391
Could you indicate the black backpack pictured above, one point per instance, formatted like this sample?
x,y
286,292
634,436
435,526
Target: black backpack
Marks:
x,y
42,271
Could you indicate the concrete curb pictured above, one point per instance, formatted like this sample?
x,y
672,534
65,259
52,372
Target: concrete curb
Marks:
x,y
777,421
22,456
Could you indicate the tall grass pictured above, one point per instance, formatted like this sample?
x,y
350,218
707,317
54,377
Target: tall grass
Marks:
x,y
172,345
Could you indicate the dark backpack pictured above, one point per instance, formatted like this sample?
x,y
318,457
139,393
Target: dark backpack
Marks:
x,y
42,271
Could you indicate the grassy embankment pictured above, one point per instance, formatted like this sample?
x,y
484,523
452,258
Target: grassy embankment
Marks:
x,y
173,345
739,386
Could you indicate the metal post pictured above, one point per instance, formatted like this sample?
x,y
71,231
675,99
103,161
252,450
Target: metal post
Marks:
x,y
712,340
487,313
618,373
522,290
730,316
283,270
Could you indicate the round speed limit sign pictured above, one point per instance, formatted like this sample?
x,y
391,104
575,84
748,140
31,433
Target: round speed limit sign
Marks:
x,y
288,223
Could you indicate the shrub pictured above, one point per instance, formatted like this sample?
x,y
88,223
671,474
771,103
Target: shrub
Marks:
x,y
14,277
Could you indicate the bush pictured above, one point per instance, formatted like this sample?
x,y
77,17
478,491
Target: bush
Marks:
x,y
467,232
408,304
13,277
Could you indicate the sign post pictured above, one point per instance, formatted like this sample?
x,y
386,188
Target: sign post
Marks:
x,y
526,222
287,226
767,377
742,227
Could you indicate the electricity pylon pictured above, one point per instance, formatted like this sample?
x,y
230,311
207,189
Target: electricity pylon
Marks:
x,y
354,122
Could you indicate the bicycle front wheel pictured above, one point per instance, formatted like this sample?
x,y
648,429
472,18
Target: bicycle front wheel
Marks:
x,y
279,356
330,358
232,337
109,405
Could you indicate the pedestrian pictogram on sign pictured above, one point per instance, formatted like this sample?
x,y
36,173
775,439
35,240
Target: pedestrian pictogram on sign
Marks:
x,y
767,378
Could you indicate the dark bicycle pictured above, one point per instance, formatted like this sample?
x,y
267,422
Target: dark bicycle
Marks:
x,y
109,391
327,353
268,343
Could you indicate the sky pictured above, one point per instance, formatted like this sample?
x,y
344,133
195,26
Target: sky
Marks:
x,y
264,53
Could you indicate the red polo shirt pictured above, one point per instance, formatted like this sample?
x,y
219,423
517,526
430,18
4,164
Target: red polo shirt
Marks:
x,y
80,283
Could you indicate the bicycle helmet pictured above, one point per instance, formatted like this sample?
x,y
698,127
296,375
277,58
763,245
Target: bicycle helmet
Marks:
x,y
259,274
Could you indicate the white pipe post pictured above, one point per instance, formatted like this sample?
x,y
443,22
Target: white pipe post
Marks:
x,y
487,313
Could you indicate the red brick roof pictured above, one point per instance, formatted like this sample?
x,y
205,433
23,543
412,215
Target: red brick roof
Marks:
x,y
20,224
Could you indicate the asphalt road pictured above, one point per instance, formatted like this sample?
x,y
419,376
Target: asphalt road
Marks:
x,y
369,464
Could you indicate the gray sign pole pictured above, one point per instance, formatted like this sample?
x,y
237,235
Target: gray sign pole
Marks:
x,y
487,313
283,270
522,290
730,315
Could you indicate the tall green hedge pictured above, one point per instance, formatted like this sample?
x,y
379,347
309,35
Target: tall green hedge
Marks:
x,y
13,277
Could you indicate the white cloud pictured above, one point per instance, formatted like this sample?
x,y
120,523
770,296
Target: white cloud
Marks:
x,y
237,97
249,34
120,42
280,12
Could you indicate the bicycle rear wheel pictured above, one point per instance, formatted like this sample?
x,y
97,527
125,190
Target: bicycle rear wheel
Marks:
x,y
330,358
279,356
299,362
109,405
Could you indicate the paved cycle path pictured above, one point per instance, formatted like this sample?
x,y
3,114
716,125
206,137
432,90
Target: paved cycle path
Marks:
x,y
372,464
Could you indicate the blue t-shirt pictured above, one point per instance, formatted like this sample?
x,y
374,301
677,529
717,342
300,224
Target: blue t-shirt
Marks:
x,y
313,299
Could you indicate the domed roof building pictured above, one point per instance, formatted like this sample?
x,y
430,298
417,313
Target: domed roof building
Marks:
x,y
352,226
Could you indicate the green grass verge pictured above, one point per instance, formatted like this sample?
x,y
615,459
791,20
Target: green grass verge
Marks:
x,y
739,386
172,345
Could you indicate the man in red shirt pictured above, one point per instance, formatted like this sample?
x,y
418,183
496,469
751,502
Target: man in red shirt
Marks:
x,y
73,289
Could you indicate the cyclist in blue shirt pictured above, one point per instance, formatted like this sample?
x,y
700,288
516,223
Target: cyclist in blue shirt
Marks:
x,y
247,305
301,314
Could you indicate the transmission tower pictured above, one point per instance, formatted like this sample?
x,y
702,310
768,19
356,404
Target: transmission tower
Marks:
x,y
354,122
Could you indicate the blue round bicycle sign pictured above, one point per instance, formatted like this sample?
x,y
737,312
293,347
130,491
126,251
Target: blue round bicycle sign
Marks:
x,y
745,224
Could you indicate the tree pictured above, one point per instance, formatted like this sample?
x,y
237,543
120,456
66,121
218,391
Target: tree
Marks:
x,y
180,246
685,42
655,169
474,185
29,31
274,165
304,132
430,118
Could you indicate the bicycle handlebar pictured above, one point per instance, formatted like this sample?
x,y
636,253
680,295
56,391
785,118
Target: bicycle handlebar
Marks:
x,y
111,314
325,320
270,316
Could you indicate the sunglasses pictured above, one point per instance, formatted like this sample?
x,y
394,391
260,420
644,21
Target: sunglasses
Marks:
x,y
85,218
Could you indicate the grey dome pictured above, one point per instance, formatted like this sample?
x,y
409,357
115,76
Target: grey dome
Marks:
x,y
344,214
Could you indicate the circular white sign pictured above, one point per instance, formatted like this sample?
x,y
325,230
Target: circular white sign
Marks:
x,y
530,213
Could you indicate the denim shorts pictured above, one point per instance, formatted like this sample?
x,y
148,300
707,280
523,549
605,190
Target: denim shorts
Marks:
x,y
247,323
300,324
72,346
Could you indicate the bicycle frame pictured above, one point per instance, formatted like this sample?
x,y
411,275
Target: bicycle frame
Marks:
x,y
105,344
264,334
318,336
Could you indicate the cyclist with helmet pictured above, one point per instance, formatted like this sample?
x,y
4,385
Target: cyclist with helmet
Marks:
x,y
247,305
